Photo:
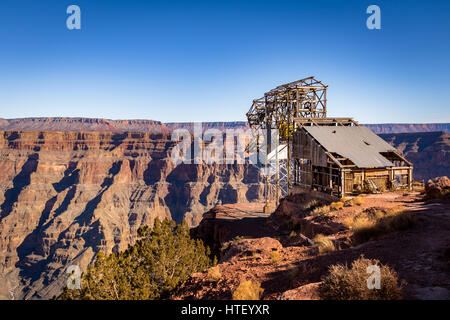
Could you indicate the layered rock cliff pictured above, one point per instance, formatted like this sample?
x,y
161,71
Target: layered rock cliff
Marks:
x,y
99,124
82,124
428,151
66,195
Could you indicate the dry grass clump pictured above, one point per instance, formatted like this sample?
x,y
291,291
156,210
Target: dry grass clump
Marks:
x,y
311,205
369,226
275,257
248,290
324,244
343,283
214,274
338,205
349,202
360,222
357,201
346,201
319,211
393,211
290,225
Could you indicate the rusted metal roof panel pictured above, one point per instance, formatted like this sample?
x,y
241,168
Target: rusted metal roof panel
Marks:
x,y
358,144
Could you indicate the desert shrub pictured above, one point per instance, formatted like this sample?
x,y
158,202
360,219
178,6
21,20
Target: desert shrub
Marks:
x,y
311,205
357,201
214,274
343,283
369,227
346,201
338,205
275,257
398,222
323,243
159,261
238,239
290,225
362,222
248,290
393,211
320,211
379,214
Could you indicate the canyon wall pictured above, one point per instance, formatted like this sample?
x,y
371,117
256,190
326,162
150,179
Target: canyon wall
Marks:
x,y
99,124
82,124
428,151
66,195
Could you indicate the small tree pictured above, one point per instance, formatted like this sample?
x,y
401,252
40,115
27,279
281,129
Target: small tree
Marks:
x,y
161,259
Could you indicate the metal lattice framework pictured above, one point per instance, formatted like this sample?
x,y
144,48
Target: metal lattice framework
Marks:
x,y
303,102
304,99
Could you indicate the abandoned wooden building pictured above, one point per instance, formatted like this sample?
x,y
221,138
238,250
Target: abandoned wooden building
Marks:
x,y
345,160
332,155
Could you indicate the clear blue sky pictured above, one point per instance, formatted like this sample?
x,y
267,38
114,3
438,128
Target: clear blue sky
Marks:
x,y
206,60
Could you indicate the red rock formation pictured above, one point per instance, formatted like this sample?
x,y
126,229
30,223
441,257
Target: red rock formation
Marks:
x,y
82,124
428,151
98,124
66,195
437,187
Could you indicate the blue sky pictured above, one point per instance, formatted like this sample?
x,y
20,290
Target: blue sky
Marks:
x,y
206,60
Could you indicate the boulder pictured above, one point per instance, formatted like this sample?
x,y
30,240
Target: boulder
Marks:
x,y
249,247
306,292
437,187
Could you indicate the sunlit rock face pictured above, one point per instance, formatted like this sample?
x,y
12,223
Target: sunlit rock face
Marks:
x,y
66,195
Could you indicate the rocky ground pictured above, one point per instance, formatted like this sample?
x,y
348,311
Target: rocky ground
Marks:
x,y
420,255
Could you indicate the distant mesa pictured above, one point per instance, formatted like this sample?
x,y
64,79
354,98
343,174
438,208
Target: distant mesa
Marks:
x,y
82,124
140,125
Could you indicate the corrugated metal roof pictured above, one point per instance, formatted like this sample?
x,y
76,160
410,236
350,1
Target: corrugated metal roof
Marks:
x,y
358,144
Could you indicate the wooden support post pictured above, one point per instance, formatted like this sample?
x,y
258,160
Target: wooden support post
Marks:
x,y
410,172
363,178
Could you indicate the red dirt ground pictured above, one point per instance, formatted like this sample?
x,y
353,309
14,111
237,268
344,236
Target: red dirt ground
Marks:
x,y
420,255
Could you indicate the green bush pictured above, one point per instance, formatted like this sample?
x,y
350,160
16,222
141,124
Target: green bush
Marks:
x,y
345,283
161,259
